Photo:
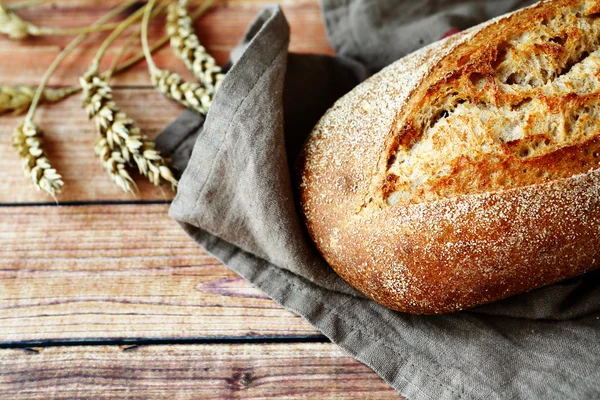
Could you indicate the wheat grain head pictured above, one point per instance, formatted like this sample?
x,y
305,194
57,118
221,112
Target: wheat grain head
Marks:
x,y
114,164
121,142
27,138
14,26
17,99
174,87
187,47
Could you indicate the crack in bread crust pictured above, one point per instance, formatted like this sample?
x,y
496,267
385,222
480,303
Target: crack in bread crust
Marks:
x,y
522,109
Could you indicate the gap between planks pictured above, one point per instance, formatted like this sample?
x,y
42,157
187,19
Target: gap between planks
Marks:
x,y
130,342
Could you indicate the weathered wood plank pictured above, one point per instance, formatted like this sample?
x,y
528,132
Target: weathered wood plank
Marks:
x,y
281,371
70,139
121,271
219,30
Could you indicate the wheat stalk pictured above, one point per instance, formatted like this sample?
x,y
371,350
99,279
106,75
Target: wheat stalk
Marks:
x,y
121,142
28,3
27,138
172,85
187,47
17,99
17,28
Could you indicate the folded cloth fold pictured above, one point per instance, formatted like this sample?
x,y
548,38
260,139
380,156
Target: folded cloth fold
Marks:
x,y
236,198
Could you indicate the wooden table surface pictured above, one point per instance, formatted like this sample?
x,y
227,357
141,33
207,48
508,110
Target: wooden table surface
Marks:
x,y
103,295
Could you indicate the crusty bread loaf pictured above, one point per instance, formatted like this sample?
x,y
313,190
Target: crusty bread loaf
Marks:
x,y
468,171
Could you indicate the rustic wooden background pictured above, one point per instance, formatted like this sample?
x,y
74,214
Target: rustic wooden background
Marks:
x,y
103,295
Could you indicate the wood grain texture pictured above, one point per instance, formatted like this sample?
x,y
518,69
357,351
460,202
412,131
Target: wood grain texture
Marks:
x,y
280,371
121,271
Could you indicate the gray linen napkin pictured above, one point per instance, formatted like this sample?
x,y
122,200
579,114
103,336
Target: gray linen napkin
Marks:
x,y
236,199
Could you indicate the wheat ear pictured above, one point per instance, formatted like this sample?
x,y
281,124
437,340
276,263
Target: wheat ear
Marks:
x,y
120,140
17,99
17,28
193,96
187,47
13,26
27,138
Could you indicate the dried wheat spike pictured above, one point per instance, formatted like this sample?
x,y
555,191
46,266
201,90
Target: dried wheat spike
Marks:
x,y
17,99
121,142
15,27
27,138
174,87
187,47
115,165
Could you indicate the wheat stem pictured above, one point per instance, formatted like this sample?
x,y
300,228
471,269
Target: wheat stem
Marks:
x,y
140,55
17,28
74,43
125,47
42,30
120,54
113,35
29,3
145,47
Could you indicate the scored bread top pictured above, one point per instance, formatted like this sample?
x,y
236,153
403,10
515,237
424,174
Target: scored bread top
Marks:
x,y
520,108
467,171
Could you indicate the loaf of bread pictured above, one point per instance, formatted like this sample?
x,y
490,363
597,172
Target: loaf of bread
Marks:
x,y
468,171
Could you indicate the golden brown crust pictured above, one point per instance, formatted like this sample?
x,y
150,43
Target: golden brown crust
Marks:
x,y
458,246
